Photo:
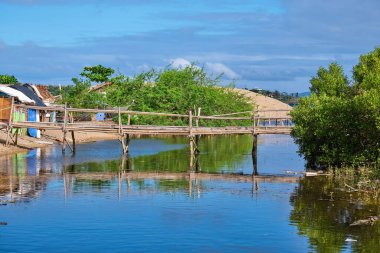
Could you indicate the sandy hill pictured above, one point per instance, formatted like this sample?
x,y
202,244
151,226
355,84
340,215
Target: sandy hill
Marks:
x,y
265,103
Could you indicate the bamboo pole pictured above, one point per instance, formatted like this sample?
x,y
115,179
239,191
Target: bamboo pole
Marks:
x,y
64,141
230,114
197,119
190,123
16,137
254,123
73,139
191,138
254,154
71,148
120,123
122,137
128,136
197,137
59,108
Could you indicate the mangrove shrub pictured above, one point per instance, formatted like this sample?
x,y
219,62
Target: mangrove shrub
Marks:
x,y
339,124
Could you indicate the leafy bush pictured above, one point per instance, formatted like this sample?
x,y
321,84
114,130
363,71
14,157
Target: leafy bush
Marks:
x,y
7,79
175,91
339,124
170,90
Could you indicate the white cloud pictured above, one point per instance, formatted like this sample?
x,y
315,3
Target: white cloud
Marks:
x,y
180,63
219,68
143,67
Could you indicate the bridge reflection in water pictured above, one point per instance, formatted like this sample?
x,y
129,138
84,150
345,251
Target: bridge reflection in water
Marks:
x,y
23,178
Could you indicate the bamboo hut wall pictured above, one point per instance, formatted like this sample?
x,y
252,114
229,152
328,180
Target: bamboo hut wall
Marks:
x,y
5,108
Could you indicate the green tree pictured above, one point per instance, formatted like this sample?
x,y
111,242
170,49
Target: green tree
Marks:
x,y
336,126
366,73
174,91
331,81
7,79
78,95
54,90
97,74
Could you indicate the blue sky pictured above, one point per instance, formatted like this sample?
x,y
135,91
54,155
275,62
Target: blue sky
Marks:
x,y
272,44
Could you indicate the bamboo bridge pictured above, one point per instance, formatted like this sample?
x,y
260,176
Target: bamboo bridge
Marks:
x,y
257,122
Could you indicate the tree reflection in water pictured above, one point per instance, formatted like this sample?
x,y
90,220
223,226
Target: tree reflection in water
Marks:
x,y
323,212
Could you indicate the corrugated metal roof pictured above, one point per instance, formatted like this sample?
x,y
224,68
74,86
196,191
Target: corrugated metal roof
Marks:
x,y
28,91
15,93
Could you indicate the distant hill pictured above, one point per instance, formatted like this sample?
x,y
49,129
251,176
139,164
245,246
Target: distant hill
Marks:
x,y
304,94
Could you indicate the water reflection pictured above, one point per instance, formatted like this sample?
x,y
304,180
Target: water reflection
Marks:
x,y
21,177
323,212
160,164
220,195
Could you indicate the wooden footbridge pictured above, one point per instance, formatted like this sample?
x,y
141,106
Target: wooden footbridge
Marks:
x,y
252,122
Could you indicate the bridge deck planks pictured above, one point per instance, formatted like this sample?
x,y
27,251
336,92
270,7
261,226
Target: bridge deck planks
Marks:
x,y
151,130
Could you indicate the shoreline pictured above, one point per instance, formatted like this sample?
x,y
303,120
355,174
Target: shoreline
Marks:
x,y
49,137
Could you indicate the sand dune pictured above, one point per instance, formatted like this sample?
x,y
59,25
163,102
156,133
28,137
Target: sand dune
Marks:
x,y
265,103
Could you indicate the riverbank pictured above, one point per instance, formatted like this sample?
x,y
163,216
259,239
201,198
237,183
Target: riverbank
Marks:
x,y
49,137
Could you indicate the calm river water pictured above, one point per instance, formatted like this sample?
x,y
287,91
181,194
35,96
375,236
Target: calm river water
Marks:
x,y
152,201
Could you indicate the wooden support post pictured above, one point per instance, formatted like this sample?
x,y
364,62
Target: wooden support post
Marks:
x,y
191,133
197,163
254,154
196,150
64,140
190,123
123,144
68,144
17,133
9,128
127,140
191,161
254,122
122,136
128,136
197,137
120,124
191,140
73,139
197,119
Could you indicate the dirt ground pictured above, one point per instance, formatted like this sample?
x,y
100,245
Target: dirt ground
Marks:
x,y
50,137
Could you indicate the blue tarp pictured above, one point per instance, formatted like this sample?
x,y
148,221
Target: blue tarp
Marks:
x,y
100,116
32,116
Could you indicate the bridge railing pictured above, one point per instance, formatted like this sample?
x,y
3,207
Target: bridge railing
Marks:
x,y
249,122
71,117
